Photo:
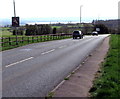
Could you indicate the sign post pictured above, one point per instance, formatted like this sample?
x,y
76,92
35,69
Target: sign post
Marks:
x,y
15,22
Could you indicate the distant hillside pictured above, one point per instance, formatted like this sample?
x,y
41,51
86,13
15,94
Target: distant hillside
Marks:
x,y
112,24
24,21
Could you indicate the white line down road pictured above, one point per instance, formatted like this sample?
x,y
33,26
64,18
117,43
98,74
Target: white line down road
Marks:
x,y
19,62
63,46
48,52
34,70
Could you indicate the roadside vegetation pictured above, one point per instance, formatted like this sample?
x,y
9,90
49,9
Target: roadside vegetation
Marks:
x,y
107,83
9,41
23,35
4,31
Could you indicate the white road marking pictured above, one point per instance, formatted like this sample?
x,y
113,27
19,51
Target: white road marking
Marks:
x,y
65,80
19,62
58,86
48,51
63,46
27,49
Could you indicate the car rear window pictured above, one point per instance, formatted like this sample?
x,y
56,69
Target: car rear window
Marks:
x,y
76,32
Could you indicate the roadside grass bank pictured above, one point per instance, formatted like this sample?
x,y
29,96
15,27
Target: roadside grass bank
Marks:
x,y
107,83
4,32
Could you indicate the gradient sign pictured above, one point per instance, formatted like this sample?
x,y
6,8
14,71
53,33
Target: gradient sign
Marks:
x,y
15,21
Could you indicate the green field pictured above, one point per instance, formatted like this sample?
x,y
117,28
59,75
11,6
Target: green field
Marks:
x,y
5,32
108,82
56,27
11,41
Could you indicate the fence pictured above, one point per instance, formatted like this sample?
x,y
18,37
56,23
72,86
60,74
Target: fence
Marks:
x,y
17,41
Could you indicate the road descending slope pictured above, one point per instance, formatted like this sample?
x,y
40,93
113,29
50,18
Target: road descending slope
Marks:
x,y
35,69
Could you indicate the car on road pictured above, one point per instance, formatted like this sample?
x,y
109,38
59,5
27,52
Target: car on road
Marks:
x,y
77,34
95,33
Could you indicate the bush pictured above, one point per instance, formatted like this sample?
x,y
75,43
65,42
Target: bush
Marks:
x,y
18,32
102,27
54,30
38,29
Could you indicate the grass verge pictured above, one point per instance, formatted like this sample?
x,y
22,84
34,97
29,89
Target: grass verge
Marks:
x,y
108,82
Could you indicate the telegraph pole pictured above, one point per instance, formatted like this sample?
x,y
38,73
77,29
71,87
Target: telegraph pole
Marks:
x,y
80,14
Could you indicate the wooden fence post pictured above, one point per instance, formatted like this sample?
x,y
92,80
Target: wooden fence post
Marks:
x,y
32,39
40,38
44,38
2,41
52,37
9,41
16,40
47,37
56,36
37,39
22,39
28,39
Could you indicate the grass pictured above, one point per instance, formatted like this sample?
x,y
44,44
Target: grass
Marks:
x,y
50,95
5,32
67,78
108,82
72,72
56,27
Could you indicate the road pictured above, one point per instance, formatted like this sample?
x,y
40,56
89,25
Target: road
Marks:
x,y
34,70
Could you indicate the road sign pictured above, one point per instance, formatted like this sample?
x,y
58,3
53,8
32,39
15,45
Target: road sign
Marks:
x,y
15,21
97,29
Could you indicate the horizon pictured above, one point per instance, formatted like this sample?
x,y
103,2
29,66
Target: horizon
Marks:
x,y
23,21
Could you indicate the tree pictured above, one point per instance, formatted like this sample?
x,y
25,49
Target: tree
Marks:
x,y
38,29
64,29
88,28
102,27
18,32
54,30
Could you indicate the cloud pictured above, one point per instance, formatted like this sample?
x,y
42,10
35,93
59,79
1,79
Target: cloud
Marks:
x,y
60,8
119,15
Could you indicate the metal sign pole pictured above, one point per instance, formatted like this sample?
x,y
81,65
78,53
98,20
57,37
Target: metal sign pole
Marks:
x,y
15,26
14,8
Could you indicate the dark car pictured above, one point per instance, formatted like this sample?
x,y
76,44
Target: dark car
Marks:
x,y
95,33
77,34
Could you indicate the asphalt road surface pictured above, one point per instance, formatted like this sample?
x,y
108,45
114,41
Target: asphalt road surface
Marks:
x,y
34,70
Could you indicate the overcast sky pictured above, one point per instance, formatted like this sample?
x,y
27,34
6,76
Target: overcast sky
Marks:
x,y
107,9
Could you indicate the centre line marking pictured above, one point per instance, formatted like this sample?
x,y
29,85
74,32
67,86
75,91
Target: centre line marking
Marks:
x,y
63,46
48,52
19,62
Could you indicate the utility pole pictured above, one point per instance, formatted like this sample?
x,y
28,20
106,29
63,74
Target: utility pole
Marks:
x,y
80,14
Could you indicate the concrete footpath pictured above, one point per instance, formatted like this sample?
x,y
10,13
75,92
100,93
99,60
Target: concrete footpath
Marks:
x,y
80,81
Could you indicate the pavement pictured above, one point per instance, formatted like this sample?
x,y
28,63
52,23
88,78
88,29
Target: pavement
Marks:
x,y
81,79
